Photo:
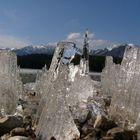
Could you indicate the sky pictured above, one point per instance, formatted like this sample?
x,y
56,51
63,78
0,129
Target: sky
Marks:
x,y
33,22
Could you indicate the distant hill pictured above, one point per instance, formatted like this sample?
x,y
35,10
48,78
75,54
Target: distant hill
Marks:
x,y
37,61
34,61
37,56
117,51
96,58
40,49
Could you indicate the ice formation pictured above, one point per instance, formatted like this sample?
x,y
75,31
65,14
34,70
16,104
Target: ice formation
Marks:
x,y
10,85
61,88
79,87
56,120
122,82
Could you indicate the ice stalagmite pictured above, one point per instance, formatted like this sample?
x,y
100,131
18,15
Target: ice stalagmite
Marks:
x,y
63,86
122,82
10,85
55,119
80,86
46,78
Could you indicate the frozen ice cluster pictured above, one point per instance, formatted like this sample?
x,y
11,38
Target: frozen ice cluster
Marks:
x,y
62,86
122,82
10,83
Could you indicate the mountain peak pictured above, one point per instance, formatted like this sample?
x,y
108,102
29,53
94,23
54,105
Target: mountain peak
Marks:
x,y
35,49
115,51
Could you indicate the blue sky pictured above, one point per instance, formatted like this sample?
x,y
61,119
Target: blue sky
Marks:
x,y
24,22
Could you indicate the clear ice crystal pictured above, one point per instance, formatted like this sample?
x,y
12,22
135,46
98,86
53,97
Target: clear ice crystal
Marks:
x,y
61,88
122,82
80,87
56,119
10,85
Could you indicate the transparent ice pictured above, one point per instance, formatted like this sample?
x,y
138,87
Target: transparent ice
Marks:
x,y
55,119
10,85
61,88
122,82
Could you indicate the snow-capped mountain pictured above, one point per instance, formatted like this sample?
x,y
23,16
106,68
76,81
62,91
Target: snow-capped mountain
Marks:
x,y
117,51
40,49
99,52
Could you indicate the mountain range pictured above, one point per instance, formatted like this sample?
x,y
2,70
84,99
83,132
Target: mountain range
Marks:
x,y
35,57
40,49
116,51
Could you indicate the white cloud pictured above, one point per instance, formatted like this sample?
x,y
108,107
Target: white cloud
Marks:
x,y
74,36
94,42
7,41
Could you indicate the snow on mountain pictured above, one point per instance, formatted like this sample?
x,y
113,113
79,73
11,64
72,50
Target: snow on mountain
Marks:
x,y
40,49
100,52
117,51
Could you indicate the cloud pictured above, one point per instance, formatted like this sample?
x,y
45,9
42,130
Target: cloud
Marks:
x,y
73,36
94,42
7,41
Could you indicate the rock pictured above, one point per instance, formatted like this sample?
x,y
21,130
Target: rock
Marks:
x,y
114,131
18,138
120,134
52,138
91,122
107,138
18,132
5,137
86,129
30,133
108,125
138,135
27,112
9,123
90,136
103,123
27,121
100,120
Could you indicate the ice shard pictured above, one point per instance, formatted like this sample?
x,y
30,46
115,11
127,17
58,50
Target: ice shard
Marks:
x,y
62,87
46,78
10,85
122,82
56,120
80,86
